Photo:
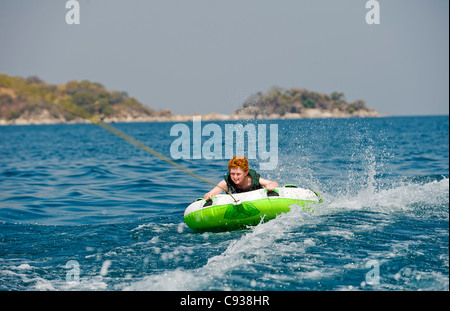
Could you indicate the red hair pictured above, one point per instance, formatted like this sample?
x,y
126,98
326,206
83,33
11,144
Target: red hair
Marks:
x,y
238,162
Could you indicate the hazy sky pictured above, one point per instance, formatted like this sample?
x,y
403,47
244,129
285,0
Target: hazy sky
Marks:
x,y
209,55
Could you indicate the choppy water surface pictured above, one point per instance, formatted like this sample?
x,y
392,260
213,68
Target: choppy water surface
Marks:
x,y
81,209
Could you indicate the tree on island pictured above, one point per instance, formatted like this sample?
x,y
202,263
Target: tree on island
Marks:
x,y
296,100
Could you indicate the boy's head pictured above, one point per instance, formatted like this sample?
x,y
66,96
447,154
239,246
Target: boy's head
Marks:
x,y
238,162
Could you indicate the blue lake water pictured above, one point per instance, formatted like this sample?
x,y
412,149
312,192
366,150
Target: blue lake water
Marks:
x,y
82,209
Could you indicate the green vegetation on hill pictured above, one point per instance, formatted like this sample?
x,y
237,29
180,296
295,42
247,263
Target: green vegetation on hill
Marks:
x,y
30,97
24,100
295,100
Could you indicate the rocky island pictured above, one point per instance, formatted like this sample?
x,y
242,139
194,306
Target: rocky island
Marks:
x,y
33,101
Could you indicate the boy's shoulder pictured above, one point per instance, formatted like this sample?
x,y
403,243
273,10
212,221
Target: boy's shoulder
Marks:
x,y
253,173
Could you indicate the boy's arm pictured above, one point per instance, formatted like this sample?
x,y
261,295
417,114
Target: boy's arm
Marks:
x,y
218,189
270,185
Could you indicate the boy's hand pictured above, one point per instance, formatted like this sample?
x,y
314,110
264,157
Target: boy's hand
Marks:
x,y
271,186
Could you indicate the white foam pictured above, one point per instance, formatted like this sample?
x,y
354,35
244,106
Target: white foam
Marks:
x,y
403,196
105,266
24,266
265,243
254,247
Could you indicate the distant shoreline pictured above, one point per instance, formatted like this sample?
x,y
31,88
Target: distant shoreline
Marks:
x,y
307,114
31,101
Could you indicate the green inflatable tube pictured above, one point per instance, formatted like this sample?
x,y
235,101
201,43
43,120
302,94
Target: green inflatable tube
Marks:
x,y
251,208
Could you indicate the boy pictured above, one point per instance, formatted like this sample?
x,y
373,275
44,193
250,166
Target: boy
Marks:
x,y
240,179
